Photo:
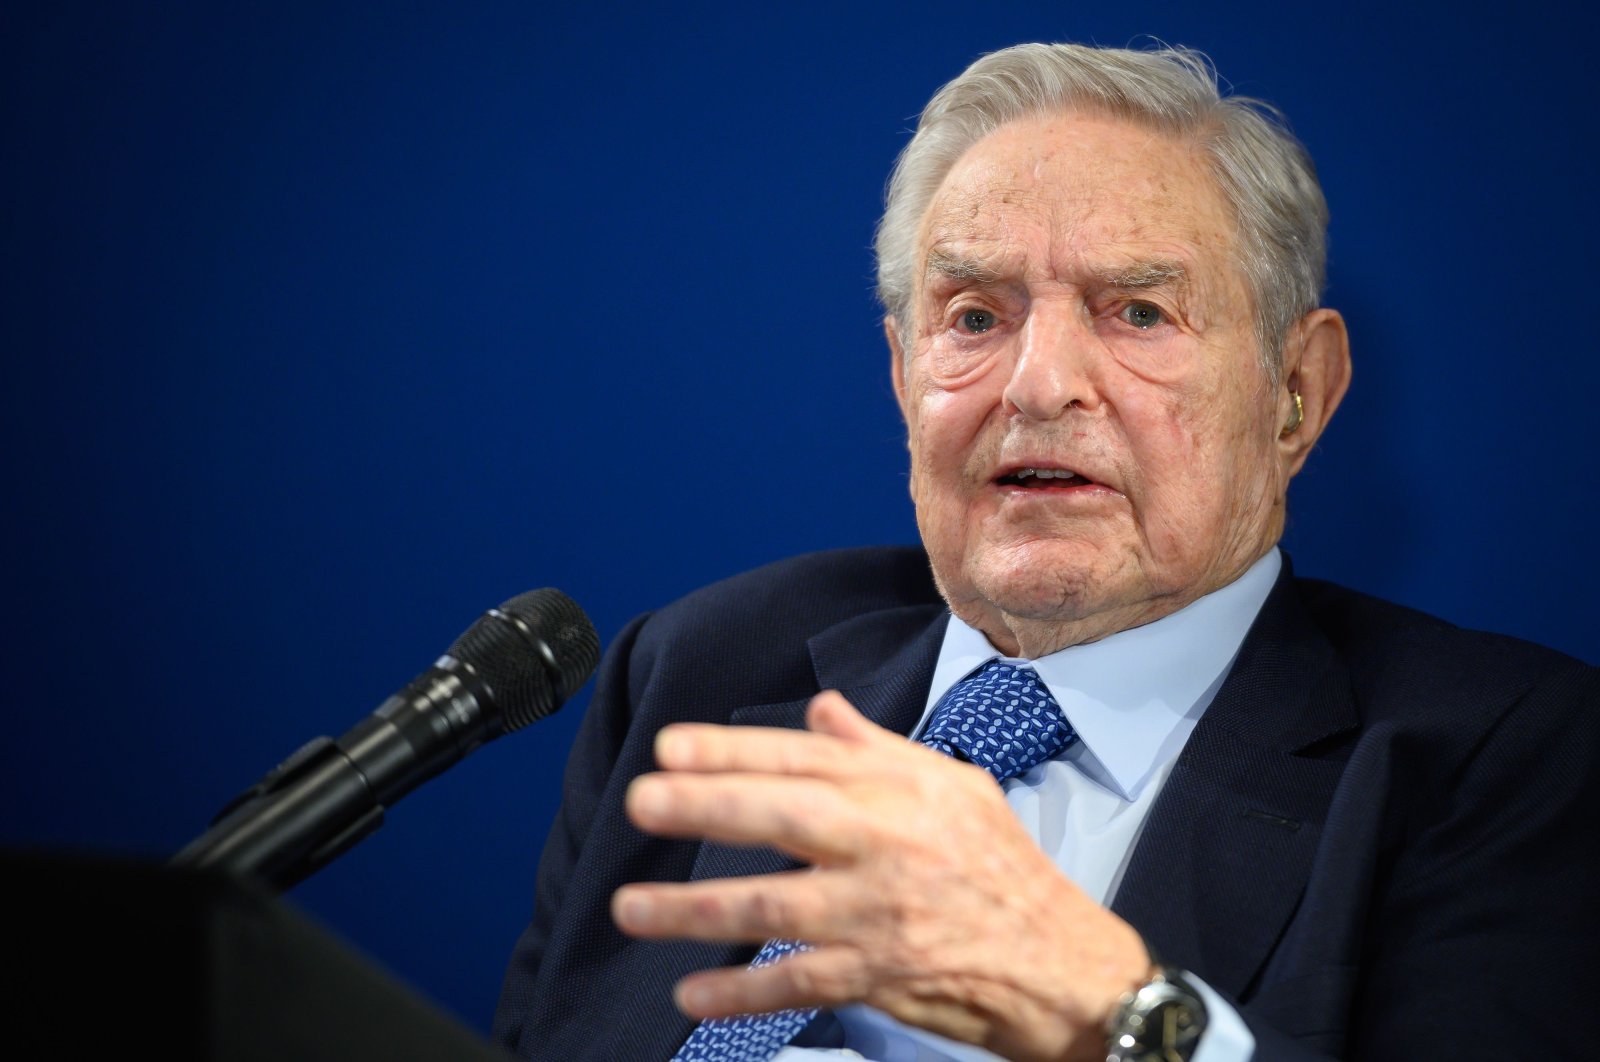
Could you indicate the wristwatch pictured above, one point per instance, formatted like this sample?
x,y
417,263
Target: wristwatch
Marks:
x,y
1159,1022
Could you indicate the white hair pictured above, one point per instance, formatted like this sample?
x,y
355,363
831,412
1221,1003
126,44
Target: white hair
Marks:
x,y
1264,173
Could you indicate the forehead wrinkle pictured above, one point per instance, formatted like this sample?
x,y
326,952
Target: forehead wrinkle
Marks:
x,y
982,243
971,236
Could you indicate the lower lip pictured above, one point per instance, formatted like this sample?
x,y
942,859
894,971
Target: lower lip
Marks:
x,y
1092,495
1011,489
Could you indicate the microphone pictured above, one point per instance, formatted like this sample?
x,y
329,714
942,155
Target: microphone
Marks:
x,y
517,664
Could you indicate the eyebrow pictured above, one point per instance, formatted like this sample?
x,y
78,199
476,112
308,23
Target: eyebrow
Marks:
x,y
1143,275
1139,276
943,264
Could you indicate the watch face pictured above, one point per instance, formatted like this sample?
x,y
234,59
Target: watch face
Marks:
x,y
1178,1030
1161,1023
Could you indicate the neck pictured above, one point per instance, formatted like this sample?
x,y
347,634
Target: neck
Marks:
x,y
1031,637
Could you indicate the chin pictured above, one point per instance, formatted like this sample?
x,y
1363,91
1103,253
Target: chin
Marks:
x,y
1054,581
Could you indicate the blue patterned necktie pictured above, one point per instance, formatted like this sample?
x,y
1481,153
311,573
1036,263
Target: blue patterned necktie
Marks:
x,y
1001,718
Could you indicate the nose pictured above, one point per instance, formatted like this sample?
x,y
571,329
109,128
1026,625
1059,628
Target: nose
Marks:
x,y
1051,375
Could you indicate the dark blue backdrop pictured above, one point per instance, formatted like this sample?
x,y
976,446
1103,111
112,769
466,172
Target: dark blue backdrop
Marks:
x,y
327,326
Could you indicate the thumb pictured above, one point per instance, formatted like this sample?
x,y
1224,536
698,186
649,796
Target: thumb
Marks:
x,y
829,713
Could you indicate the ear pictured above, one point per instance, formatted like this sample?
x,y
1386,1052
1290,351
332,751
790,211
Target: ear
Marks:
x,y
1316,366
897,365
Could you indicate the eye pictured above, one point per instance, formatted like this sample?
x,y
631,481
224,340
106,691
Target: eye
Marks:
x,y
977,321
1142,315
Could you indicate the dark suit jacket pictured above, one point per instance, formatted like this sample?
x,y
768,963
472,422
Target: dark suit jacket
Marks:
x,y
1380,839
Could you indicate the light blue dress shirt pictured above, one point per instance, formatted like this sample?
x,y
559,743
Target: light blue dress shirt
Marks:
x,y
1134,698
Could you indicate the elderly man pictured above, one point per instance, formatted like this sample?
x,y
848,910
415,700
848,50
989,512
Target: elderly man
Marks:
x,y
1237,814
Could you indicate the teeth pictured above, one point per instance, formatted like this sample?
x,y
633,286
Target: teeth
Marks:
x,y
1045,473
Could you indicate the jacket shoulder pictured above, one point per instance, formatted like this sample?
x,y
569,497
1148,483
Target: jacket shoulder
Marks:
x,y
744,638
807,593
1390,646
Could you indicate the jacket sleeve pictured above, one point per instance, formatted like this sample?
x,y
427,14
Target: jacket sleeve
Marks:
x,y
589,766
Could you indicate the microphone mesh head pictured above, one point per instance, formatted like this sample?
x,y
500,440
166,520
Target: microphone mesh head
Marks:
x,y
563,626
533,652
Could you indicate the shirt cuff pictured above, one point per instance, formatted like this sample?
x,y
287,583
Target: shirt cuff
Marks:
x,y
1227,1038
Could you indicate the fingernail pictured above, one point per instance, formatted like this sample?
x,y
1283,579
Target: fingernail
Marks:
x,y
633,910
672,746
693,998
648,798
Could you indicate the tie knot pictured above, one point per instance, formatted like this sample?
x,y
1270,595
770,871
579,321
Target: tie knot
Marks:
x,y
1002,718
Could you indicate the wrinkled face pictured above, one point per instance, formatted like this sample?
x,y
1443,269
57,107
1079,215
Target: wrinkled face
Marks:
x,y
1092,437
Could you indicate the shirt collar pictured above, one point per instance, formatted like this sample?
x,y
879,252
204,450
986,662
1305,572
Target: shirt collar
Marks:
x,y
1134,696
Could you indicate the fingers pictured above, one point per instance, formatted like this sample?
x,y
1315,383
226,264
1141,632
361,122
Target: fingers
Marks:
x,y
832,747
797,905
806,818
826,977
829,713
821,795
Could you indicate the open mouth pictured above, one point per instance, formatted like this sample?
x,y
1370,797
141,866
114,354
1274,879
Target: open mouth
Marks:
x,y
1043,479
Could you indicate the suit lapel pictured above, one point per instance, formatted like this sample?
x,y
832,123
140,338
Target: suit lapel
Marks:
x,y
882,663
1227,849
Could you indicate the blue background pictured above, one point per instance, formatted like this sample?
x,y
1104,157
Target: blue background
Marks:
x,y
327,326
